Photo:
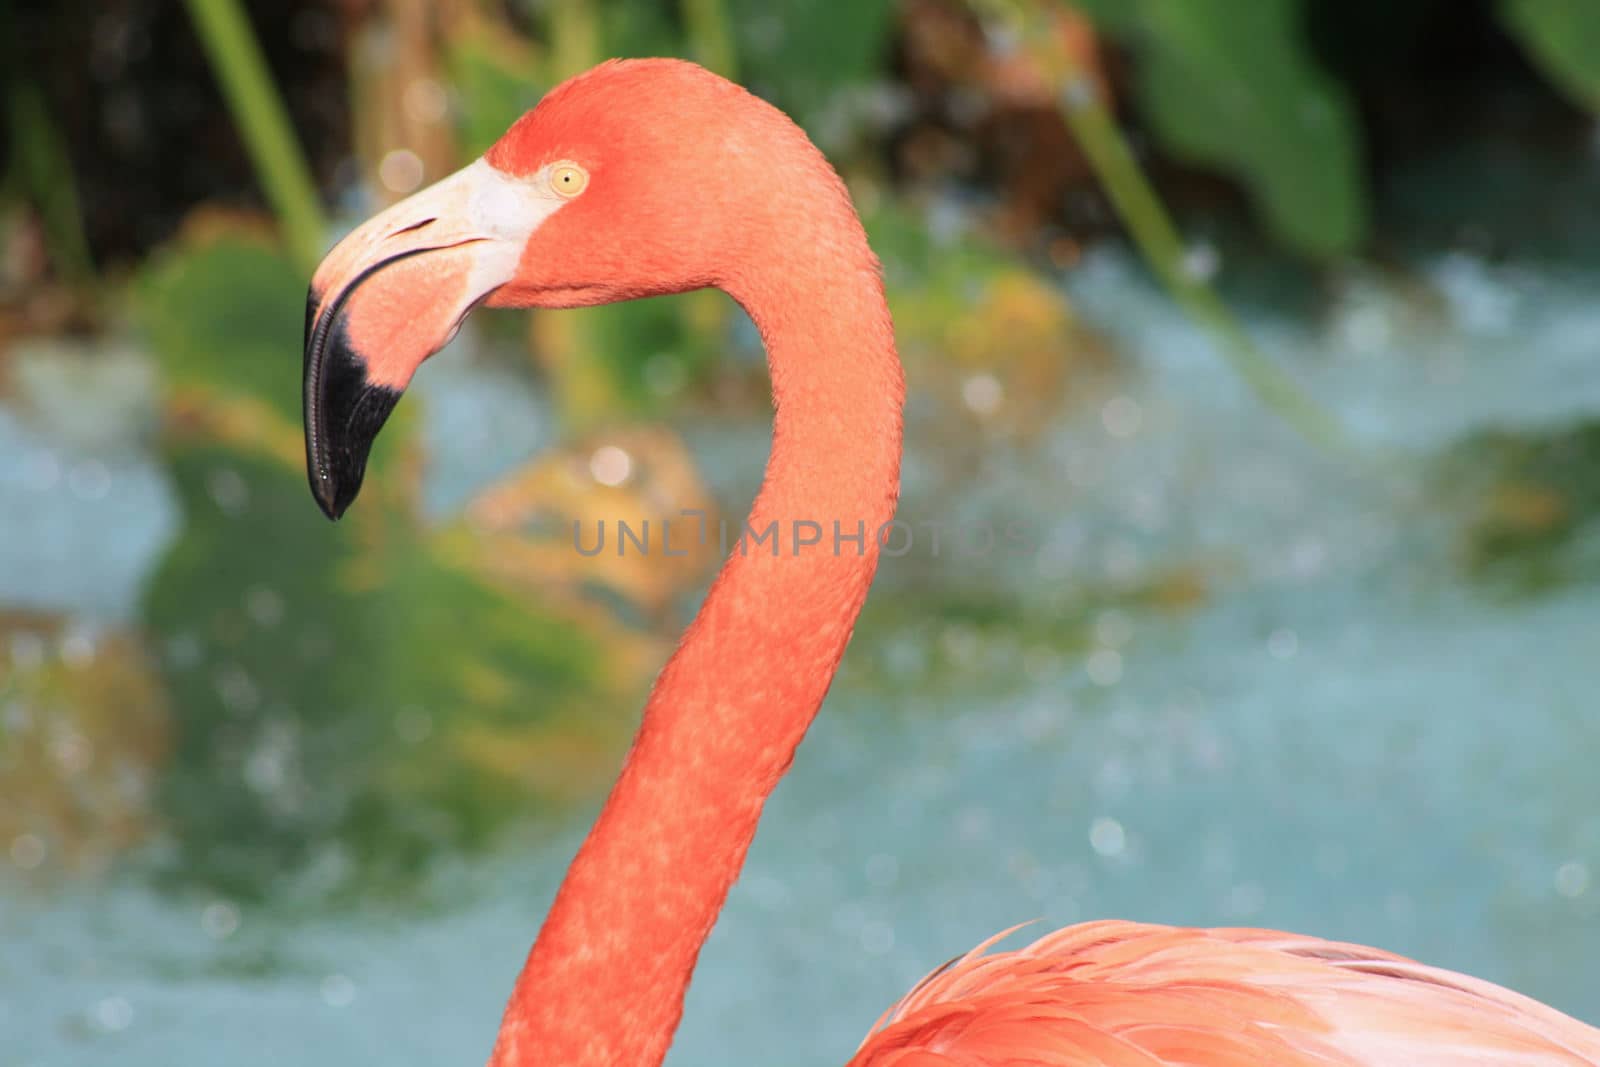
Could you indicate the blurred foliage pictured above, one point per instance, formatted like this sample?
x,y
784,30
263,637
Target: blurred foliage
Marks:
x,y
1261,92
263,123
213,312
353,697
528,523
802,53
629,360
83,738
493,76
1054,51
1535,506
949,639
1234,86
1563,37
989,338
45,172
337,706
311,721
1237,87
710,36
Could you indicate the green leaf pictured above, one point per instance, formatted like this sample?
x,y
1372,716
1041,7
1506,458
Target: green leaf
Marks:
x,y
326,681
798,53
1563,38
228,315
1233,85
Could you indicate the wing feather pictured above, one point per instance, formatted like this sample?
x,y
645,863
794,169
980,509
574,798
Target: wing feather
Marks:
x,y
1117,994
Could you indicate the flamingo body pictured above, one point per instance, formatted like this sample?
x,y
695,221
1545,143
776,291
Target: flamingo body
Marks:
x,y
1120,994
648,177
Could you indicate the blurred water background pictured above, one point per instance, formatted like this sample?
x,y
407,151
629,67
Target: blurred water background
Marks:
x,y
1315,655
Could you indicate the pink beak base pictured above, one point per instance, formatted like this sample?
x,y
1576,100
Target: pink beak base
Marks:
x,y
387,297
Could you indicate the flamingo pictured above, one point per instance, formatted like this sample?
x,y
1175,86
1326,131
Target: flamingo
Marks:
x,y
646,177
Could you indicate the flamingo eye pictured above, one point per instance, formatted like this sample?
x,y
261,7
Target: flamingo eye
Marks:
x,y
568,179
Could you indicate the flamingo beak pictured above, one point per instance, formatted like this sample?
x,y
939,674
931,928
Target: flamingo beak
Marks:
x,y
390,295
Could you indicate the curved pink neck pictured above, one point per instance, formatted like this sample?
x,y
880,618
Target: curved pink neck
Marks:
x,y
604,984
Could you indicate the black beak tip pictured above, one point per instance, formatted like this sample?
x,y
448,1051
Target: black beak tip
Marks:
x,y
331,498
343,411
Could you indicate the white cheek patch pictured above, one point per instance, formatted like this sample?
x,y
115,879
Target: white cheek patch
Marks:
x,y
507,211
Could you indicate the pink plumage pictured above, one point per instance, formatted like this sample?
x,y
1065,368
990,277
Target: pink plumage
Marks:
x,y
1119,994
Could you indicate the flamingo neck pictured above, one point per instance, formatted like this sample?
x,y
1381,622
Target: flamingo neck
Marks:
x,y
605,982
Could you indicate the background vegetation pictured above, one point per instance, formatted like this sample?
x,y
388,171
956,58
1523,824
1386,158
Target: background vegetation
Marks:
x,y
285,703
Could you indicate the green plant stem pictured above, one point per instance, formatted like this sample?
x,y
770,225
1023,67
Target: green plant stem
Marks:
x,y
1157,238
1155,234
263,123
711,36
574,36
45,171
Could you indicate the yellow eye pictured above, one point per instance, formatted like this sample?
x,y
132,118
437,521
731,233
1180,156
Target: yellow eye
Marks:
x,y
568,179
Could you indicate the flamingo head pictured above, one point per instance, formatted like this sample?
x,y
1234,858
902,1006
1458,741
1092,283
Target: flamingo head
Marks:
x,y
638,178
